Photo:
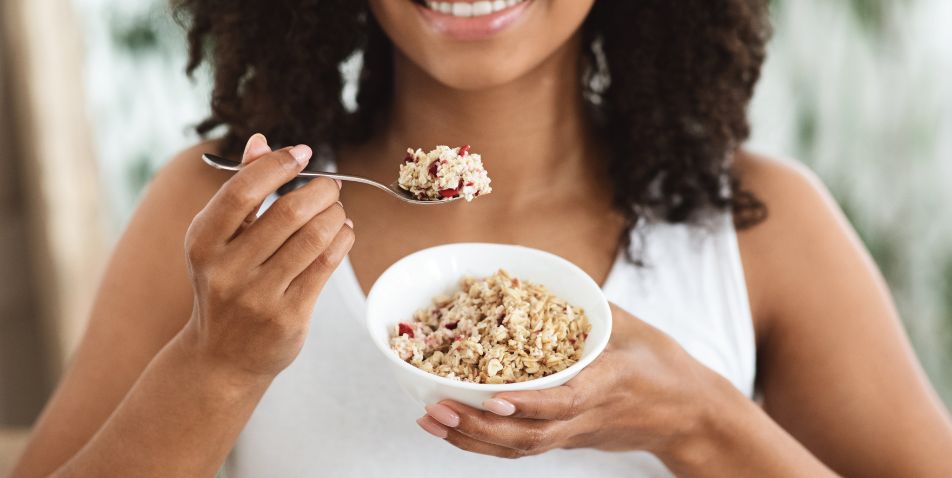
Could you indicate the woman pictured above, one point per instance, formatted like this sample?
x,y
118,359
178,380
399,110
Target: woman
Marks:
x,y
612,133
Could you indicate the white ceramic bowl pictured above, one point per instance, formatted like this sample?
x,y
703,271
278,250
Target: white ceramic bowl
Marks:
x,y
412,283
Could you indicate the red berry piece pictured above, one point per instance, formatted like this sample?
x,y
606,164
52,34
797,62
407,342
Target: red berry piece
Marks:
x,y
451,325
449,193
405,329
464,150
432,169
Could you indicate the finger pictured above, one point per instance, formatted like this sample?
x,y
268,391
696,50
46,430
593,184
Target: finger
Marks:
x,y
308,284
560,403
256,147
530,436
244,191
287,215
305,245
463,442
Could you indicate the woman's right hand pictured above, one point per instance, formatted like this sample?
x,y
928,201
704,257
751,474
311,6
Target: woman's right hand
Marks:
x,y
256,279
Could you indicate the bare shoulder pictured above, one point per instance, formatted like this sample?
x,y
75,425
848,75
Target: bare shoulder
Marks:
x,y
804,239
790,190
187,178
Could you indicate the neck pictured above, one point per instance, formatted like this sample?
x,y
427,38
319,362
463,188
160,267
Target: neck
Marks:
x,y
531,132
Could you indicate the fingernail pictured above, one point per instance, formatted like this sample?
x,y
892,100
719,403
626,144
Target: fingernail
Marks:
x,y
244,154
499,407
251,141
443,414
432,427
349,223
339,184
302,153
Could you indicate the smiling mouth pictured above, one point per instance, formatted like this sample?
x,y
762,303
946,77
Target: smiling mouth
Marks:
x,y
469,9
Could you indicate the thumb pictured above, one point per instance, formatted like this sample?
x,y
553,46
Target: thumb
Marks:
x,y
257,146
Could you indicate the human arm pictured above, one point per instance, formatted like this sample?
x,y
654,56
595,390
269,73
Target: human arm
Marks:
x,y
124,405
839,379
838,372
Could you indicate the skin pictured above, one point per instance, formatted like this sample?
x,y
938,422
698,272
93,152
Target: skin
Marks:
x,y
202,304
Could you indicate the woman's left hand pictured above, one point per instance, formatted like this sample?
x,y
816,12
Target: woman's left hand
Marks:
x,y
643,393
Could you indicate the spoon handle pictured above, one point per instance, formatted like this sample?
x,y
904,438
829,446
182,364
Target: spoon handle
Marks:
x,y
226,164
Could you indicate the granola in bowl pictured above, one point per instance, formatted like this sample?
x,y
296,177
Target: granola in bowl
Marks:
x,y
494,330
444,173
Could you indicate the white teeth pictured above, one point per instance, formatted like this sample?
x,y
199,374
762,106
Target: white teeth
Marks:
x,y
461,9
482,8
474,9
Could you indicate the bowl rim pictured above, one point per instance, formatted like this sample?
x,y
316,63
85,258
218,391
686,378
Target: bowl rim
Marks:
x,y
536,384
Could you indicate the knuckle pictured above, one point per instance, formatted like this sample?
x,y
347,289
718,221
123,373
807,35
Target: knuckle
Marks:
x,y
337,213
247,305
533,439
324,262
238,192
202,263
318,236
327,186
572,408
347,236
318,192
195,249
286,161
290,210
214,288
284,329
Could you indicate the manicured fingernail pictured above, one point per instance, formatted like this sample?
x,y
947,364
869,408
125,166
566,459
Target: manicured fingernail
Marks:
x,y
349,223
339,184
251,141
443,414
432,427
499,407
302,153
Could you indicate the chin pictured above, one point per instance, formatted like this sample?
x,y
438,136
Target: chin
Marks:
x,y
482,44
480,71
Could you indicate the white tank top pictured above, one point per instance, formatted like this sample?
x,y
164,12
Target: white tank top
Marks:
x,y
337,412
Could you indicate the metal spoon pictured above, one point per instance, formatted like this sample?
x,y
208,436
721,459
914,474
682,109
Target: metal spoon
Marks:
x,y
394,189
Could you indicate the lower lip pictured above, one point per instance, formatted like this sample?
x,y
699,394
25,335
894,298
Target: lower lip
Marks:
x,y
473,28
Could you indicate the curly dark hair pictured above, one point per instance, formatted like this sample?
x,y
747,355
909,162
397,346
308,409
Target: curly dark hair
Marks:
x,y
668,84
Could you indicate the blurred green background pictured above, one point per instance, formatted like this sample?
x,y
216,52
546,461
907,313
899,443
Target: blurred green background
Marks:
x,y
856,89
